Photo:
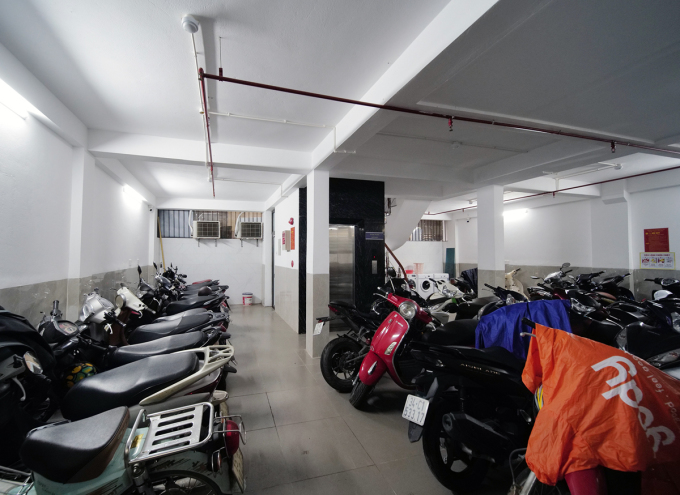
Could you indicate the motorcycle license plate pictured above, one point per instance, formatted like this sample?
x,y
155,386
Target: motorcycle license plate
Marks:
x,y
237,469
415,409
318,327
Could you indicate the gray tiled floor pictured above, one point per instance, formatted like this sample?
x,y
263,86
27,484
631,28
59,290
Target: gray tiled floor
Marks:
x,y
305,438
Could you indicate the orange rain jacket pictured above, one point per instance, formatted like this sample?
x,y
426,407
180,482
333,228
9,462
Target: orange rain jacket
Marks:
x,y
602,407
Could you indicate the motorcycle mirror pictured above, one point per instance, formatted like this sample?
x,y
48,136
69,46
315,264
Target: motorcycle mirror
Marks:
x,y
391,272
565,265
155,266
139,270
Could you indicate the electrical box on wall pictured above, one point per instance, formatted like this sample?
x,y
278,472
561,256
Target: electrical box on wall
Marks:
x,y
206,230
288,240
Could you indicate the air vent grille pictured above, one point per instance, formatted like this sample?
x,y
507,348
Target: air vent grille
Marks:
x,y
206,230
250,230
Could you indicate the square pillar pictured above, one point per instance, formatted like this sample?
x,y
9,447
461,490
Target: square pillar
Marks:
x,y
490,238
318,278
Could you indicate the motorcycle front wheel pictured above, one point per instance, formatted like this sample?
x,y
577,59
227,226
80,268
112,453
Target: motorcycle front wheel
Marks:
x,y
183,483
457,473
335,369
360,393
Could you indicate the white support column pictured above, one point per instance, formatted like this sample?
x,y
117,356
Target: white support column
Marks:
x,y
267,257
318,277
81,160
490,238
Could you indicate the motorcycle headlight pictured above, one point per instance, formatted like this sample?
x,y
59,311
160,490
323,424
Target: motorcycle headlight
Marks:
x,y
581,308
665,358
408,309
120,301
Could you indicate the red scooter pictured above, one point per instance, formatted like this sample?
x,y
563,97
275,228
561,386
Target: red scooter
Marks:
x,y
388,351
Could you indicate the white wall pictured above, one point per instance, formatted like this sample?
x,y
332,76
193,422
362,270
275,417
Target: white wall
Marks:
x,y
115,232
240,268
550,236
35,197
609,227
430,254
286,264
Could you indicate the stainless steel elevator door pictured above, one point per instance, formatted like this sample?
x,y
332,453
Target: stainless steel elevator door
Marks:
x,y
341,267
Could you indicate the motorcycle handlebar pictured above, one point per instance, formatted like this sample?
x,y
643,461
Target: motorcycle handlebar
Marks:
x,y
650,280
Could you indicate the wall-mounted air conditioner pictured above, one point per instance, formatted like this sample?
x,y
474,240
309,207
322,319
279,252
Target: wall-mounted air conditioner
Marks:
x,y
249,230
206,229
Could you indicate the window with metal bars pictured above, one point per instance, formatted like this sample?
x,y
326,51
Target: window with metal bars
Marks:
x,y
178,223
429,230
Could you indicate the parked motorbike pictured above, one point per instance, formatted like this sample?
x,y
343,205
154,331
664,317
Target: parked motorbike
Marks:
x,y
87,455
165,299
31,387
472,410
75,348
124,329
671,285
341,358
389,350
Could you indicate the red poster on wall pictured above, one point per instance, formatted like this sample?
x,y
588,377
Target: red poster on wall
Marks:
x,y
292,238
656,241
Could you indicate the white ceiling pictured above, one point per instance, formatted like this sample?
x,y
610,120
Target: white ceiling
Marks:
x,y
607,68
128,66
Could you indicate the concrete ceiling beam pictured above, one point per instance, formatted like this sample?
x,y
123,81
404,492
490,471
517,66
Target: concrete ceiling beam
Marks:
x,y
171,150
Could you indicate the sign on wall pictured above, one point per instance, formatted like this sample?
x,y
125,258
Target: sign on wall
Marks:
x,y
657,261
292,238
656,241
375,236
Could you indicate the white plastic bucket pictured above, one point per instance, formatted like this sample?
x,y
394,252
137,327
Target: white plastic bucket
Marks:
x,y
247,298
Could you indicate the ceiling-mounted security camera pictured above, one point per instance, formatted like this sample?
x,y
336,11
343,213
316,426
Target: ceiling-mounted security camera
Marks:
x,y
190,24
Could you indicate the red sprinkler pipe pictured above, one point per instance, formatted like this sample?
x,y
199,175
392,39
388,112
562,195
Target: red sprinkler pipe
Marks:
x,y
204,100
449,118
565,189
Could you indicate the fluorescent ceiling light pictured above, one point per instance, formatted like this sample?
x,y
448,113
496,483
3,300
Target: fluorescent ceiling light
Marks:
x,y
13,100
515,214
131,193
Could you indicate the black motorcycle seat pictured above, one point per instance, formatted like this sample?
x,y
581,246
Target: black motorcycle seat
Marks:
x,y
502,356
154,331
126,385
166,345
457,332
189,302
188,312
78,451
